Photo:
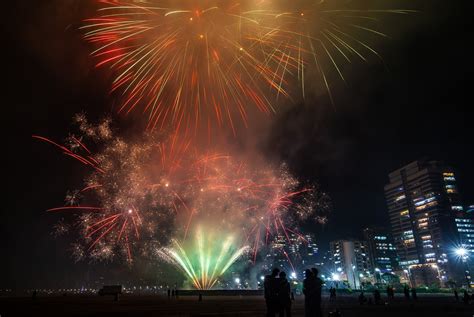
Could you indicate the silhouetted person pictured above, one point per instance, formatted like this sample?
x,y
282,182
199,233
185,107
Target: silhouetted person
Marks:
x,y
332,293
466,297
456,295
318,285
377,297
270,286
172,293
176,293
406,291
284,296
200,297
362,298
169,293
413,294
292,296
309,291
392,292
34,295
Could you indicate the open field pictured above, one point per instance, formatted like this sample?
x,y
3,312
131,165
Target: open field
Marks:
x,y
134,305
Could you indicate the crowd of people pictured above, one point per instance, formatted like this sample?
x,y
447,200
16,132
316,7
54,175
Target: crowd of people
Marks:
x,y
279,297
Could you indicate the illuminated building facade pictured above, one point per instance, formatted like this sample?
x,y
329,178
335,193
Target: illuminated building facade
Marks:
x,y
422,199
293,252
464,248
465,228
351,260
381,250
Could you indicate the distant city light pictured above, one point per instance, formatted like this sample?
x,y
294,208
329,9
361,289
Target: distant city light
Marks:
x,y
293,274
335,277
462,252
237,280
339,269
262,277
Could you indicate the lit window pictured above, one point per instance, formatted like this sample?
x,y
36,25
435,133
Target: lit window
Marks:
x,y
401,197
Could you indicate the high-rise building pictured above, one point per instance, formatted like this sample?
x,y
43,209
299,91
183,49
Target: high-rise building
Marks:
x,y
464,247
382,251
422,199
350,260
293,251
465,229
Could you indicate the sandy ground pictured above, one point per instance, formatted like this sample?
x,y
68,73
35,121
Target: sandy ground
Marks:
x,y
133,305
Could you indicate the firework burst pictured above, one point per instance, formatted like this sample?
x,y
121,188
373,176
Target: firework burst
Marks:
x,y
121,208
204,63
141,193
207,259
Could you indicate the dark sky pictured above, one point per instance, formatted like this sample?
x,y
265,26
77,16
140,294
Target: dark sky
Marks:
x,y
418,104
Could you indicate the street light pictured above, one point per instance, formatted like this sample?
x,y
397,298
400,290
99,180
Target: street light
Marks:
x,y
461,252
354,276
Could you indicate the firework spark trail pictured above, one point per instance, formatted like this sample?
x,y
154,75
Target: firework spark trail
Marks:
x,y
119,185
207,63
150,188
205,261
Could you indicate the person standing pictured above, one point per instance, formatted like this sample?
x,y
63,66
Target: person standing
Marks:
x,y
309,294
284,296
456,295
318,286
362,298
270,286
466,297
406,291
377,297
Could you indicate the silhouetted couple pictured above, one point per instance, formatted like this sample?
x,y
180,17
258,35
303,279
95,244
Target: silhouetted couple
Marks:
x,y
312,285
277,294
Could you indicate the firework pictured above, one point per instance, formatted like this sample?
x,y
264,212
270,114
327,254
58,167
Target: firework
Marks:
x,y
206,259
258,201
204,63
141,193
121,209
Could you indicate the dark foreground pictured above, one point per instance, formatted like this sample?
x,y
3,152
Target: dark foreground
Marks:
x,y
133,305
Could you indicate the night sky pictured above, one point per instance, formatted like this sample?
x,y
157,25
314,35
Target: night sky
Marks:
x,y
418,103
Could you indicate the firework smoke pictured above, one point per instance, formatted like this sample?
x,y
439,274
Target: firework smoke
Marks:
x,y
141,193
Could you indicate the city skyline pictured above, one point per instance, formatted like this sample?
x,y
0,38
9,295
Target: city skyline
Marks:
x,y
387,115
